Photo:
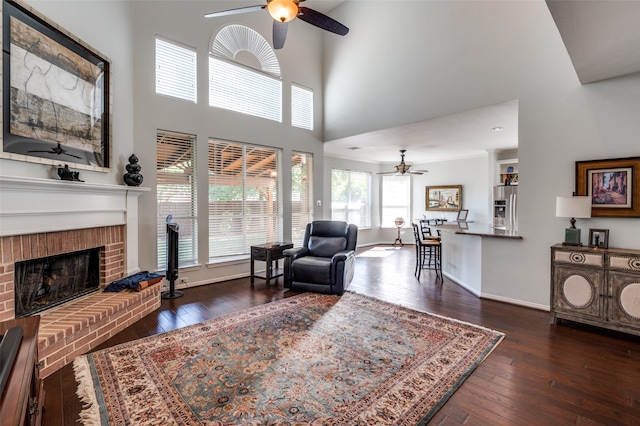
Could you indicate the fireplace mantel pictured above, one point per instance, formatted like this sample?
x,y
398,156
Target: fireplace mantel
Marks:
x,y
34,205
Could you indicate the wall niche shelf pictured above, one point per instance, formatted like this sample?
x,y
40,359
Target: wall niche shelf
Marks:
x,y
507,172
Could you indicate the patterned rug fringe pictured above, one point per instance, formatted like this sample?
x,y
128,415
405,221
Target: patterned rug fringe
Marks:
x,y
90,414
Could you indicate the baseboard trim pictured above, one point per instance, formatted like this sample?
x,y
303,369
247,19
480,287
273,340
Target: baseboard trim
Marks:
x,y
515,302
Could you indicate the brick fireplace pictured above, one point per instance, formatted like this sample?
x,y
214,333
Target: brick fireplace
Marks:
x,y
41,218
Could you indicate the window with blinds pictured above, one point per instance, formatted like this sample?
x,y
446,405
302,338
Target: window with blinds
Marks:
x,y
301,107
251,86
396,200
351,197
175,70
176,194
245,201
301,195
237,88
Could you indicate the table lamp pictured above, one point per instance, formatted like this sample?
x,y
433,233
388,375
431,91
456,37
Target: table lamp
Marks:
x,y
573,207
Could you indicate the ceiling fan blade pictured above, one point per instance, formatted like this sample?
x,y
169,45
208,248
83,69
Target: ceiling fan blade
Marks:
x,y
279,34
320,20
411,172
234,11
386,173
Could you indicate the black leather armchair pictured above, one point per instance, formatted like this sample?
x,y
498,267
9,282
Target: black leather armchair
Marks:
x,y
326,261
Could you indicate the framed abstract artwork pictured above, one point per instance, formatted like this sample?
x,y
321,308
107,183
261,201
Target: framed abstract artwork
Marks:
x,y
56,94
613,185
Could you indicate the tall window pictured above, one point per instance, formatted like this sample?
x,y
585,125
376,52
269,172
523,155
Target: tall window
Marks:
x,y
251,87
301,107
245,201
301,195
351,197
175,70
396,199
176,194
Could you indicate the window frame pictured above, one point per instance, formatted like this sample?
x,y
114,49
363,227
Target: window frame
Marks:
x,y
173,79
221,222
365,210
188,223
406,207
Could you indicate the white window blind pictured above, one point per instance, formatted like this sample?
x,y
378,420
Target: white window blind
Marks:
x,y
301,107
396,199
245,202
351,197
301,195
237,88
175,70
176,194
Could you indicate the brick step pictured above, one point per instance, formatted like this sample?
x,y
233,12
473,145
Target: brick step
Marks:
x,y
82,324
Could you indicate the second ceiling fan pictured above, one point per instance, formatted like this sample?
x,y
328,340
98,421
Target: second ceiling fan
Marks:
x,y
283,11
403,168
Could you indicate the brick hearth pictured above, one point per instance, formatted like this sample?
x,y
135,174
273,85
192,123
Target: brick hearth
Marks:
x,y
82,324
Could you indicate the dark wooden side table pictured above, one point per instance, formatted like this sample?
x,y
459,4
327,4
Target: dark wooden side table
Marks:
x,y
268,253
23,397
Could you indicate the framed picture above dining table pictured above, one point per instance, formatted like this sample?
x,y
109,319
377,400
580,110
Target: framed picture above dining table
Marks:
x,y
444,198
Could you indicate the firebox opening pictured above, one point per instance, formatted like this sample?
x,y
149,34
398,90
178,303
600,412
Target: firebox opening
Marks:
x,y
50,281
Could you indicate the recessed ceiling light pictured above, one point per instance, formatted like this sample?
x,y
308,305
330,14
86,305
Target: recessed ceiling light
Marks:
x,y
497,129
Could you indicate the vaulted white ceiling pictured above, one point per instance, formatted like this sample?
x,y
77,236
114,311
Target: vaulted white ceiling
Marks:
x,y
603,41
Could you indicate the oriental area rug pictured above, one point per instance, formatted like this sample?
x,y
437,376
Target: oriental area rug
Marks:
x,y
309,359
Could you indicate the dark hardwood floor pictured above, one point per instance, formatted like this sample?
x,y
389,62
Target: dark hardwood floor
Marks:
x,y
540,374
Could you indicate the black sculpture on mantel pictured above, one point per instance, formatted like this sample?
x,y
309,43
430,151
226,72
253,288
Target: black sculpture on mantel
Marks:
x,y
133,176
65,173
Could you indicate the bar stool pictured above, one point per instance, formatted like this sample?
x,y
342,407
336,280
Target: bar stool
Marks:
x,y
429,251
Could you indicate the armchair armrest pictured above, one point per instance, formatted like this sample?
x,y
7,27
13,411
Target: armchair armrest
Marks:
x,y
296,252
341,256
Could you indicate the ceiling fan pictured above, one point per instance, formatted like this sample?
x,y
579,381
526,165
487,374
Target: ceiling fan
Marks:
x,y
58,150
283,11
403,168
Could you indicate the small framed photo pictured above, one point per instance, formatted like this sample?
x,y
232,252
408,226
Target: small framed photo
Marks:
x,y
462,215
599,238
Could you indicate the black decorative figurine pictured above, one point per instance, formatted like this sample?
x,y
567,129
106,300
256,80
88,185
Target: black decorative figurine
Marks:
x,y
66,174
133,176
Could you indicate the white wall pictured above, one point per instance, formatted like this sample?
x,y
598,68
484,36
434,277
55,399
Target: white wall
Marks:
x,y
106,27
446,57
471,173
183,21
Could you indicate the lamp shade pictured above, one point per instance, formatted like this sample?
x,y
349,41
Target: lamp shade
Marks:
x,y
282,10
573,206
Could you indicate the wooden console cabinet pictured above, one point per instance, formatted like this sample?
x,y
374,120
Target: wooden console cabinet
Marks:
x,y
23,396
600,287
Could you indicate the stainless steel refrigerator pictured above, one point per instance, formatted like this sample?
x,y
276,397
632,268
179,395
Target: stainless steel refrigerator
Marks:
x,y
505,203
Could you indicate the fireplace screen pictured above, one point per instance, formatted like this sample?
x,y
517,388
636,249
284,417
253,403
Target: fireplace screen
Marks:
x,y
46,282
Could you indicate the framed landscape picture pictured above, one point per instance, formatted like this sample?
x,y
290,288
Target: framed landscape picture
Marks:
x,y
56,94
613,185
444,198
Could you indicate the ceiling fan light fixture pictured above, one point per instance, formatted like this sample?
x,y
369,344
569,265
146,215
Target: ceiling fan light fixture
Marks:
x,y
282,10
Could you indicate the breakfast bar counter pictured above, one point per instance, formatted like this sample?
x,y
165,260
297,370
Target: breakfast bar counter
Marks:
x,y
465,249
477,229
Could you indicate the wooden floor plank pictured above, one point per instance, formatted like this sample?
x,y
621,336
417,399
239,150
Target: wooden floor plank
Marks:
x,y
541,374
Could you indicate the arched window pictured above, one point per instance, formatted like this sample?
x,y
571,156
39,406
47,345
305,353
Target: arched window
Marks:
x,y
244,73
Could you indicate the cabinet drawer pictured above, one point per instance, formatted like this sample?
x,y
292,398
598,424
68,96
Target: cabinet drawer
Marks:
x,y
579,258
624,263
